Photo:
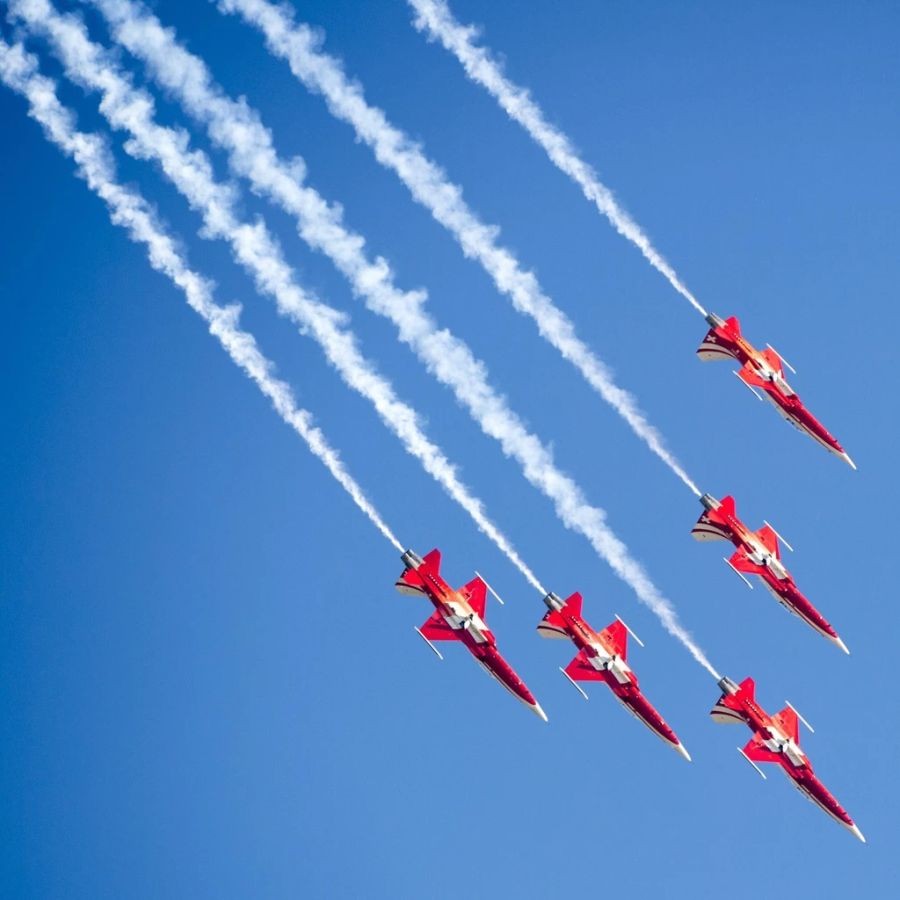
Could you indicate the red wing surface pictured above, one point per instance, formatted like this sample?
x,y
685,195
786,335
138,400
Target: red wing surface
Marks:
x,y
774,360
743,563
770,540
580,669
436,629
788,720
616,637
758,753
475,593
748,376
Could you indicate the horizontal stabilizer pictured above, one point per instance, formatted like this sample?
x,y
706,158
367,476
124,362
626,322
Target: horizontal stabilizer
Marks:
x,y
433,561
410,583
554,624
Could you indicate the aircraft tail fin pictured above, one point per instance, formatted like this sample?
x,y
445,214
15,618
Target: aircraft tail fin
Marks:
x,y
713,347
710,526
553,625
727,708
410,581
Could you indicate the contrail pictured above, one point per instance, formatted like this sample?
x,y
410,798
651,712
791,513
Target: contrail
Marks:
x,y
132,110
299,46
249,144
19,71
435,18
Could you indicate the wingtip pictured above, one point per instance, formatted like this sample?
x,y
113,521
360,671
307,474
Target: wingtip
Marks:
x,y
857,832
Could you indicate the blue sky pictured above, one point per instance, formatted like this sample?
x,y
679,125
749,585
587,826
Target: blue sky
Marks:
x,y
208,685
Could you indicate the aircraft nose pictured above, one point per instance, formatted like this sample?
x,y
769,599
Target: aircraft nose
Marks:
x,y
683,751
841,644
846,457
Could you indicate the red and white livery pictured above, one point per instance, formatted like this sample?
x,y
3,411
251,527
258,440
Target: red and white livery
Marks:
x,y
759,553
459,616
602,657
763,370
776,739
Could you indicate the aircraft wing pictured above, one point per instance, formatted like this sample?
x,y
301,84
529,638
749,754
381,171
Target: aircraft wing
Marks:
x,y
616,638
790,722
750,378
580,669
475,593
743,563
436,629
770,540
756,752
774,360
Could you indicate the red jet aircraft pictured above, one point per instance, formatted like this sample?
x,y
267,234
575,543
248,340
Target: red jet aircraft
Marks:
x,y
776,739
601,657
459,616
763,369
758,553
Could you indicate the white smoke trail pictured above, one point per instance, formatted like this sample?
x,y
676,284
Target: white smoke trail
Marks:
x,y
252,246
237,128
18,70
299,46
435,18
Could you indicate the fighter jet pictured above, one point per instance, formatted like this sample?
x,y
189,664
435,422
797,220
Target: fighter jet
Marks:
x,y
776,739
601,657
763,370
758,553
459,616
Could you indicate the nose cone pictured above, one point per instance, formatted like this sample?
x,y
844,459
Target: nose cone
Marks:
x,y
683,751
538,710
857,832
846,458
838,642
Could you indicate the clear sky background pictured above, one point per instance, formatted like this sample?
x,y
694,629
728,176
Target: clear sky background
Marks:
x,y
208,686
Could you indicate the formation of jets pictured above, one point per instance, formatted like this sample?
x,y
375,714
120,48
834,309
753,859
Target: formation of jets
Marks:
x,y
602,655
